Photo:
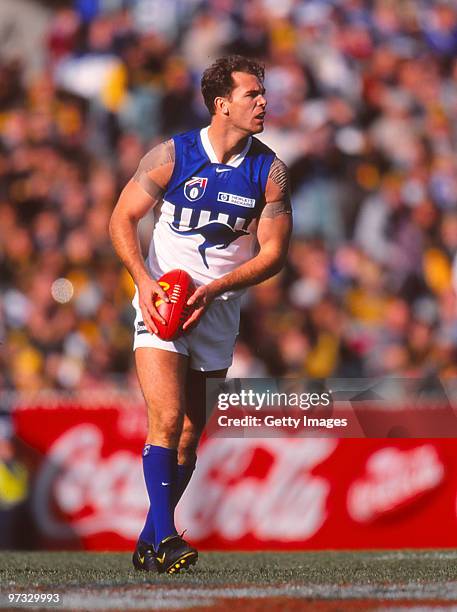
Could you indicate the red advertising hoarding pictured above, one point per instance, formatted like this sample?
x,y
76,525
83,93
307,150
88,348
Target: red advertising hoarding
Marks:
x,y
253,493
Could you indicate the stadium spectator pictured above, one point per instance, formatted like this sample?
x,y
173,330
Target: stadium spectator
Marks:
x,y
362,103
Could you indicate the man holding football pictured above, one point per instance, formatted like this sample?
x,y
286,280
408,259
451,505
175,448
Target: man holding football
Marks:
x,y
222,213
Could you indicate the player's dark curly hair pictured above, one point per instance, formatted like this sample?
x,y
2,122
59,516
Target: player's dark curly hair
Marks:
x,y
217,79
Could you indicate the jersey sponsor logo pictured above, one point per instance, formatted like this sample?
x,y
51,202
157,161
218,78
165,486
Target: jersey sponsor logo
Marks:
x,y
215,234
231,198
195,188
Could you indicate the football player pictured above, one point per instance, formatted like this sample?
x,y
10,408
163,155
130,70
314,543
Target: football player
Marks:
x,y
222,213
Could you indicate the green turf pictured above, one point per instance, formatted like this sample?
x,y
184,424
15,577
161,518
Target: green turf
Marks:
x,y
61,569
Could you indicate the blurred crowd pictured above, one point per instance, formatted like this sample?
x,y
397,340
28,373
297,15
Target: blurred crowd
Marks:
x,y
362,106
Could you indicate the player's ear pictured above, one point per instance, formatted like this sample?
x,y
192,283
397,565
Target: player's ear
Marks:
x,y
221,105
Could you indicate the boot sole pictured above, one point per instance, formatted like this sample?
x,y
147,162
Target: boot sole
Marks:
x,y
183,563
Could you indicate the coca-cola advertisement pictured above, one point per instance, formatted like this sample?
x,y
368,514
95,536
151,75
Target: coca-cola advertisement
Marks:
x,y
87,489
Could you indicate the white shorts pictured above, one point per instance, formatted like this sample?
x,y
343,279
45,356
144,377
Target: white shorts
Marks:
x,y
209,345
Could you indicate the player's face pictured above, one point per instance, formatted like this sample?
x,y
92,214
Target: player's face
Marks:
x,y
247,103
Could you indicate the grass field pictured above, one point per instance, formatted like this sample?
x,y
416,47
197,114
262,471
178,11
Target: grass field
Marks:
x,y
325,581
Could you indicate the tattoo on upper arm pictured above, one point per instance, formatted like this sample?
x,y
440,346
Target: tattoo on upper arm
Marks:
x,y
273,209
149,186
163,153
160,155
279,175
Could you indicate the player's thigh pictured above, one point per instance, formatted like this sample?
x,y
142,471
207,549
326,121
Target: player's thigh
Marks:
x,y
162,377
196,397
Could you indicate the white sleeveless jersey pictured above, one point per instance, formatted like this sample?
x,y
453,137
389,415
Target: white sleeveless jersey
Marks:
x,y
207,222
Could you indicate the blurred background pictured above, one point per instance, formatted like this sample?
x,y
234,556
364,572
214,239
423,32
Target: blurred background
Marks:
x,y
362,101
362,107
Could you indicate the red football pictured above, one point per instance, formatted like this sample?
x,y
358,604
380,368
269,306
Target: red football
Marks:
x,y
179,287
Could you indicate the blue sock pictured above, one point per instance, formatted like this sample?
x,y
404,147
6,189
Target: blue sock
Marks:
x,y
148,533
159,467
184,475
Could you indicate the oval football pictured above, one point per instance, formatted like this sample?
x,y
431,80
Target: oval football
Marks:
x,y
179,287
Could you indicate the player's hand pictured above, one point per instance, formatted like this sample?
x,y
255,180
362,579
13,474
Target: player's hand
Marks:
x,y
149,290
200,300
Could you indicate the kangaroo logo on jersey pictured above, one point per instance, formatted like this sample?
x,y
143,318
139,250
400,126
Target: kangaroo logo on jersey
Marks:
x,y
215,234
195,188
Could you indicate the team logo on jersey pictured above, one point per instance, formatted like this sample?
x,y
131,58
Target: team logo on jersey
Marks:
x,y
215,234
195,188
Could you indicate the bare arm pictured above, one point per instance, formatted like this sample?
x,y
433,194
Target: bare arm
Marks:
x,y
142,192
273,234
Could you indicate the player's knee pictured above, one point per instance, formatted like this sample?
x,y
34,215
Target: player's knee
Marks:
x,y
167,428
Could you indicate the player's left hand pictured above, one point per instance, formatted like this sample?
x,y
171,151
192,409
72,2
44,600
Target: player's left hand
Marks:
x,y
200,300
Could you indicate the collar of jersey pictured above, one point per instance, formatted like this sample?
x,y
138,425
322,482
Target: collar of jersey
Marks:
x,y
234,162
